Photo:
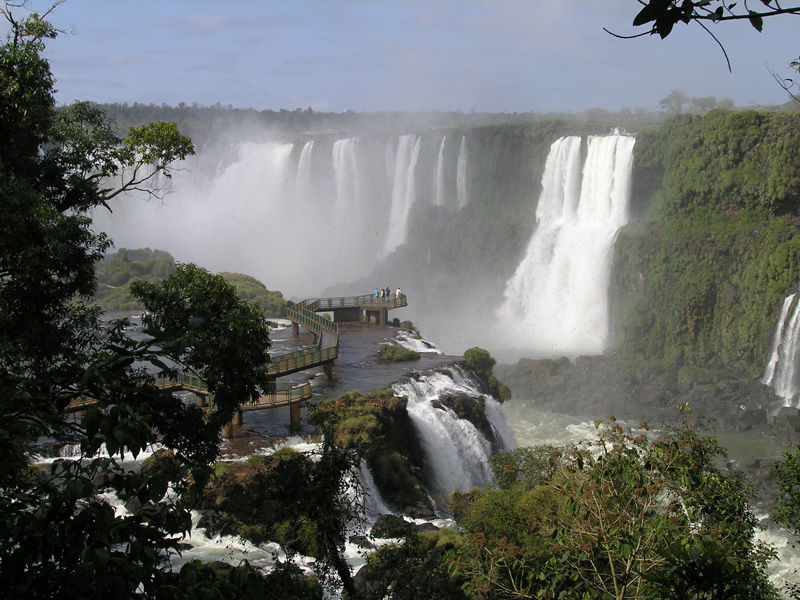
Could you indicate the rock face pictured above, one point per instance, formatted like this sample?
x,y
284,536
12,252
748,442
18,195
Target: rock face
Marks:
x,y
598,386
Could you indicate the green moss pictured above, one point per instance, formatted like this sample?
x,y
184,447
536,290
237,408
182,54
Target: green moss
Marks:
x,y
480,362
700,278
377,425
394,353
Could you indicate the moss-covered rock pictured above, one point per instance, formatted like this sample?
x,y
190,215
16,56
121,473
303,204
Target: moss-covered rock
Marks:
x,y
395,353
480,362
377,425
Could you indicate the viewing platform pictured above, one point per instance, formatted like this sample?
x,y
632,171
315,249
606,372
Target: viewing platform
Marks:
x,y
367,308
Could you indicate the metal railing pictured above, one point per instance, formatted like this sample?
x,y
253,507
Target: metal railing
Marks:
x,y
346,301
302,313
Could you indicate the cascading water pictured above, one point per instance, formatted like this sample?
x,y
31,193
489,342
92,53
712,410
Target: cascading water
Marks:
x,y
461,174
556,301
348,201
781,371
303,186
403,191
457,454
438,176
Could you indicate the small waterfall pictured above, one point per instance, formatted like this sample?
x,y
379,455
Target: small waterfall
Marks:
x,y
781,371
303,186
461,174
556,301
373,502
438,176
403,191
457,454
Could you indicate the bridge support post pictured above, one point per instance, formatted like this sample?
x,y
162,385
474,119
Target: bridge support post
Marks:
x,y
238,418
327,369
294,416
295,328
201,400
227,431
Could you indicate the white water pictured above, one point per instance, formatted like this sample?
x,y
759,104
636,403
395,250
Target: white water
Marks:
x,y
403,191
556,303
438,176
457,454
781,371
411,341
461,174
300,217
347,216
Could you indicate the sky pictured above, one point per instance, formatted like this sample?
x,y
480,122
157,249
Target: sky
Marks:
x,y
379,55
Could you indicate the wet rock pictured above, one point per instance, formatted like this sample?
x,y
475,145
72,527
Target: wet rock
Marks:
x,y
420,511
216,524
361,541
426,527
391,526
369,584
600,386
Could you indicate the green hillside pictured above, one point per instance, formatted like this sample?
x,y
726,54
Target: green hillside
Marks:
x,y
116,272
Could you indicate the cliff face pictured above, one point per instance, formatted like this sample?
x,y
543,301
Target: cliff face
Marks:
x,y
700,273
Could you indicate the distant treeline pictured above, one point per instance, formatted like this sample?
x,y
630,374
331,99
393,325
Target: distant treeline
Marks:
x,y
203,123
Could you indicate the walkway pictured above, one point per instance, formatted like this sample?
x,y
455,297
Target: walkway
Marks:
x,y
366,308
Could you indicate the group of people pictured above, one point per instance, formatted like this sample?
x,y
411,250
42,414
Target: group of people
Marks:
x,y
386,293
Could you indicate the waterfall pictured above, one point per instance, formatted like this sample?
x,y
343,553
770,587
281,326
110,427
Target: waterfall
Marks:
x,y
373,501
345,168
457,454
461,174
403,191
781,371
556,302
438,176
303,186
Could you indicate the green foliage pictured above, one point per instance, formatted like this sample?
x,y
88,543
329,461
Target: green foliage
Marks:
x,y
625,516
116,272
703,280
527,467
480,362
61,538
417,568
377,426
787,506
297,499
219,336
395,353
252,290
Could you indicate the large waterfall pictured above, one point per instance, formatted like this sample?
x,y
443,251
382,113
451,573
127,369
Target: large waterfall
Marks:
x,y
300,216
556,301
781,372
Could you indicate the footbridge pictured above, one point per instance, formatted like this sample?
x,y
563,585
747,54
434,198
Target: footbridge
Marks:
x,y
367,308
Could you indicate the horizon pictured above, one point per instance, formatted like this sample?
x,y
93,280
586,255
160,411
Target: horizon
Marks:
x,y
392,56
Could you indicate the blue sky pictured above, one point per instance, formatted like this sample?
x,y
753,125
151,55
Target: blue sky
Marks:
x,y
366,55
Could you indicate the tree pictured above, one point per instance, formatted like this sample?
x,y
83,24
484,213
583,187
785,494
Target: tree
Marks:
x,y
787,506
674,102
625,516
61,538
659,17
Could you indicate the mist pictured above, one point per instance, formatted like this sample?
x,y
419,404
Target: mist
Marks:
x,y
448,214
